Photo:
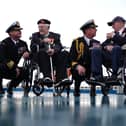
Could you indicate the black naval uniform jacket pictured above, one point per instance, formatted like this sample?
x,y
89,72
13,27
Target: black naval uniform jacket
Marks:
x,y
37,39
9,51
80,54
116,40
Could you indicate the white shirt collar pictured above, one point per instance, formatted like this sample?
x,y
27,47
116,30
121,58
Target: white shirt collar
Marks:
x,y
45,35
87,40
121,31
14,41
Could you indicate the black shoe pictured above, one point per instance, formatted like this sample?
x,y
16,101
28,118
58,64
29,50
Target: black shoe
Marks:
x,y
112,78
48,81
2,92
9,94
9,90
97,78
65,82
93,91
76,94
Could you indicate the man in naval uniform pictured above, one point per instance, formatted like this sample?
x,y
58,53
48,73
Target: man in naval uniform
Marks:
x,y
80,55
12,49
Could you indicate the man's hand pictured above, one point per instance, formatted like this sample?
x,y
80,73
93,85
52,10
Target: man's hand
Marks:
x,y
109,48
50,52
81,70
110,35
95,45
17,72
48,40
26,55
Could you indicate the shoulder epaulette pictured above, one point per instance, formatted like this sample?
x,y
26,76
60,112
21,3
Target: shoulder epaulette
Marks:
x,y
79,38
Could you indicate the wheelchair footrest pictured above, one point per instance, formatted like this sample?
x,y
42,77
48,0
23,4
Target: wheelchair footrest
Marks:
x,y
113,83
64,82
47,82
93,82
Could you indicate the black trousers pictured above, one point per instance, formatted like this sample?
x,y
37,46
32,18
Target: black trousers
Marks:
x,y
60,64
11,74
108,59
78,79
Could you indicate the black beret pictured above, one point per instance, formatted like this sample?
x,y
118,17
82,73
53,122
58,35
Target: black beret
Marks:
x,y
88,24
44,21
13,27
116,19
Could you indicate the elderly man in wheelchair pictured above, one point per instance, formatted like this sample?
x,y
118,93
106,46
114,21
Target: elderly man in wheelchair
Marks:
x,y
48,53
112,56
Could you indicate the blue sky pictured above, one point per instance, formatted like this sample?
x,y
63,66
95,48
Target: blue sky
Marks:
x,y
66,16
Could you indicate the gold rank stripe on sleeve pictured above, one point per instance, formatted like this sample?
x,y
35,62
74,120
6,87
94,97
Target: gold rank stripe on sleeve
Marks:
x,y
79,48
74,63
10,64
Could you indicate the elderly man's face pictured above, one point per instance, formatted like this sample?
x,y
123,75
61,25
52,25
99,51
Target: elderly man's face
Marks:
x,y
118,25
43,27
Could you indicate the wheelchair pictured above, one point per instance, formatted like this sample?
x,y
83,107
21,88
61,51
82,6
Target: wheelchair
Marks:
x,y
39,85
121,77
35,81
27,81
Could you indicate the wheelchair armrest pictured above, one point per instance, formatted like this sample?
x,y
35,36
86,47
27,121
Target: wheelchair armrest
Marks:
x,y
123,47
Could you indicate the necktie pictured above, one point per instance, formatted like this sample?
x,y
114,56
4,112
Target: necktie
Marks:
x,y
90,43
117,33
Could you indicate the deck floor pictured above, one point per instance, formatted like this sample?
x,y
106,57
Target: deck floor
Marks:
x,y
47,110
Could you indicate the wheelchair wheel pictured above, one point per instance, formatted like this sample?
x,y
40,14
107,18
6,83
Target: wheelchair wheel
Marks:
x,y
68,90
124,76
38,88
64,84
59,89
27,87
105,90
124,90
28,73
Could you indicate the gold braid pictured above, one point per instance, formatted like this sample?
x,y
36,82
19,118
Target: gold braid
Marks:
x,y
79,49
